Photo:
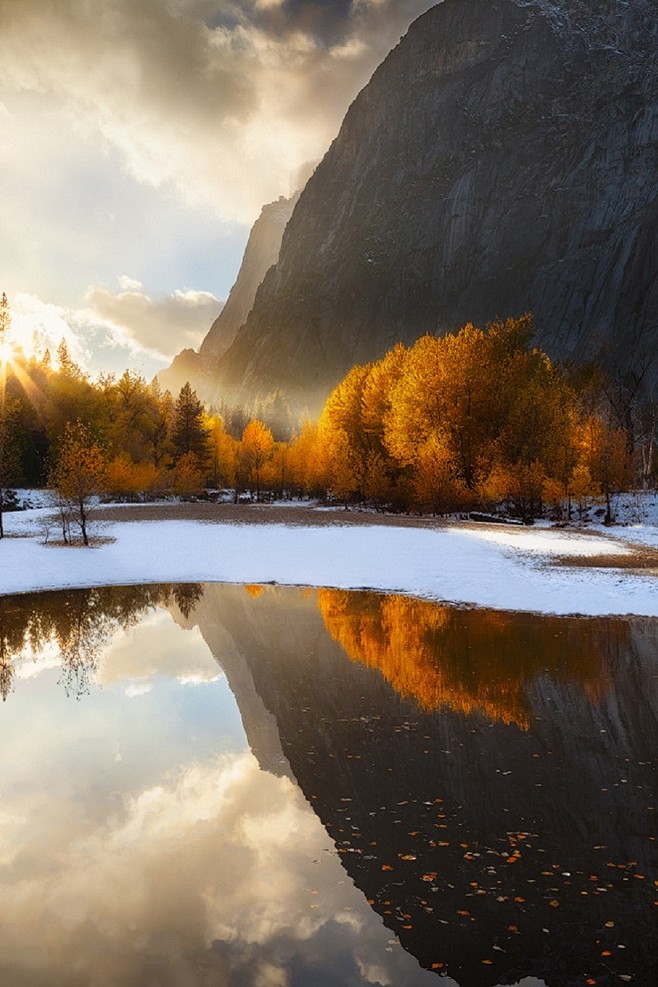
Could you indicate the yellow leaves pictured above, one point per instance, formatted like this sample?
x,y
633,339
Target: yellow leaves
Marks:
x,y
123,477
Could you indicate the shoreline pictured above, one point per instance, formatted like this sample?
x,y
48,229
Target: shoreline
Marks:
x,y
506,567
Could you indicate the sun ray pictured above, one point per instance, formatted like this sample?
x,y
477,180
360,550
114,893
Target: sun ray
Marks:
x,y
32,392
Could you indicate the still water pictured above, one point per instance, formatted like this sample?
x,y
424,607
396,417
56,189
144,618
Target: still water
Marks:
x,y
221,785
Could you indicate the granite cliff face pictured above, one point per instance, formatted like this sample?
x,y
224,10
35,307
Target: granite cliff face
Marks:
x,y
503,158
260,254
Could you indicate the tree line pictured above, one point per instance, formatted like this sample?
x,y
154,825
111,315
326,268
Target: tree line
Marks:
x,y
476,420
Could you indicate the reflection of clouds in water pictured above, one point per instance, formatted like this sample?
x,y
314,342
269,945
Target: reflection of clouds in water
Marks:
x,y
157,647
136,689
218,851
33,663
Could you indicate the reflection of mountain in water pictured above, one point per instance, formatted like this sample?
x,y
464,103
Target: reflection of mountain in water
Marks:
x,y
496,845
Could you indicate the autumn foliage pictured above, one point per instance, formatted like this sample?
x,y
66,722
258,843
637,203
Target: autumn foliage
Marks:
x,y
472,420
476,420
471,661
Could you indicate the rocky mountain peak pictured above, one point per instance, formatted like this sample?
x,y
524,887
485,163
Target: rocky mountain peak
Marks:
x,y
501,159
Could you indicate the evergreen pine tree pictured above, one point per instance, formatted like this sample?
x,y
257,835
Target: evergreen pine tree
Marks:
x,y
188,431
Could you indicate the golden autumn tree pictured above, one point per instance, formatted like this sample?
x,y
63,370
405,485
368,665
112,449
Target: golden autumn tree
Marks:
x,y
533,454
78,476
126,479
441,415
342,437
306,462
437,486
187,478
256,448
604,453
224,452
275,476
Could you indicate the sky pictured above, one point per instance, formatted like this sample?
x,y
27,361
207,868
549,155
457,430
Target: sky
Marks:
x,y
141,140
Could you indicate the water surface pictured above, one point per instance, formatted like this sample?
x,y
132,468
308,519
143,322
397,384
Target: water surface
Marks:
x,y
255,785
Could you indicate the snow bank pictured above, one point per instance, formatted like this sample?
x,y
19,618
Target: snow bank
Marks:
x,y
506,568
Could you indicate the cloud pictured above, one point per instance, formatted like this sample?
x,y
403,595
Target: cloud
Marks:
x,y
219,100
161,326
128,322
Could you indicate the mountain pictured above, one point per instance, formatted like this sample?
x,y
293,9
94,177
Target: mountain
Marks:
x,y
261,253
502,159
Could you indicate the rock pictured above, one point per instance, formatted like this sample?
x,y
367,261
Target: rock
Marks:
x,y
261,253
502,159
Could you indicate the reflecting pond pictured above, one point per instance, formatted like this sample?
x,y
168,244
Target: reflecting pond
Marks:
x,y
229,785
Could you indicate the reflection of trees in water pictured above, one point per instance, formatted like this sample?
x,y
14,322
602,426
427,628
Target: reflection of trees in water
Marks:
x,y
469,659
78,623
186,596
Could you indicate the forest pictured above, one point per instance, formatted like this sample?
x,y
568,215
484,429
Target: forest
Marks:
x,y
479,420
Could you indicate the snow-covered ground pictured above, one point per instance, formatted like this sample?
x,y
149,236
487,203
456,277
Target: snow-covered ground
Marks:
x,y
511,568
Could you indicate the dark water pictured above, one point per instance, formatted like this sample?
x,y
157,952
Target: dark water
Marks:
x,y
219,785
